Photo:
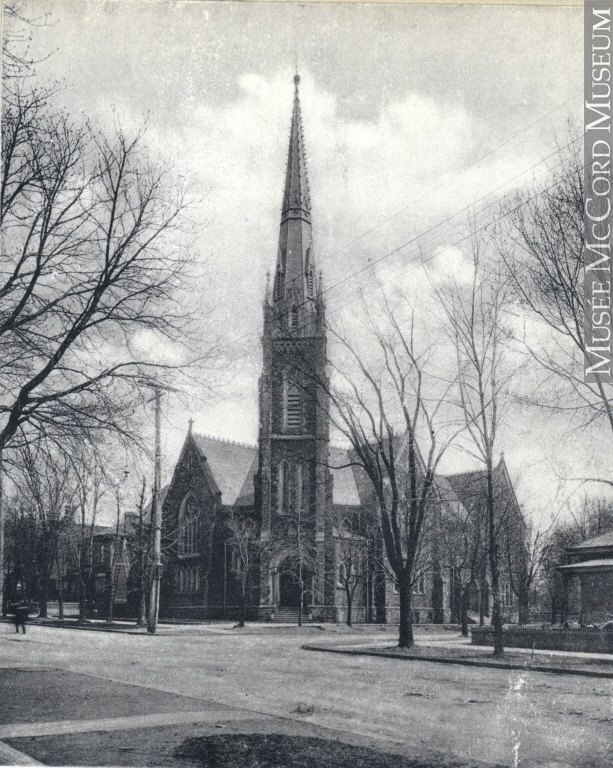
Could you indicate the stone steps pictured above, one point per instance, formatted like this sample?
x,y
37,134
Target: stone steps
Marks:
x,y
289,616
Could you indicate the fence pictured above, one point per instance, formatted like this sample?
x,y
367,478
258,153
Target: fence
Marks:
x,y
548,638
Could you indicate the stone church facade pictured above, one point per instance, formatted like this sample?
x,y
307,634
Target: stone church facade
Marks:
x,y
305,500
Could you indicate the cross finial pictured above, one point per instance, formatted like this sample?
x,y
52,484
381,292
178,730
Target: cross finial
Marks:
x,y
191,424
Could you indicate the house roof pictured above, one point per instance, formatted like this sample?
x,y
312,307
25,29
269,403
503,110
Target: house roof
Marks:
x,y
231,465
601,540
603,564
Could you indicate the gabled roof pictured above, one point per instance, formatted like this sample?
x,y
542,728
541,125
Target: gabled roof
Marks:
x,y
234,465
345,489
601,540
447,493
246,497
231,464
470,485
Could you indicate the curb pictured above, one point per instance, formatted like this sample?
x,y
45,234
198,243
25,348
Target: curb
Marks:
x,y
89,627
464,662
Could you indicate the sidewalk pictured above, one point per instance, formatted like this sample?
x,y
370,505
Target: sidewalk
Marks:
x,y
460,651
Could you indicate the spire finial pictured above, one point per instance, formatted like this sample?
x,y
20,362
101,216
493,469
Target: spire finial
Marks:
x,y
191,424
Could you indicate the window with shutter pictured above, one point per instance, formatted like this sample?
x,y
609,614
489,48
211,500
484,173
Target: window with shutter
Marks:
x,y
293,411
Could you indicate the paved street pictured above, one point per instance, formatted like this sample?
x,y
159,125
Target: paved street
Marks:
x,y
438,712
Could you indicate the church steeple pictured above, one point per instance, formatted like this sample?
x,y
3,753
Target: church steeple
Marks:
x,y
296,198
293,486
294,297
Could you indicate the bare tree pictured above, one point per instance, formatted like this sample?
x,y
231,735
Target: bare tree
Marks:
x,y
44,480
140,557
247,551
463,537
91,470
354,542
542,244
524,550
390,412
95,242
475,312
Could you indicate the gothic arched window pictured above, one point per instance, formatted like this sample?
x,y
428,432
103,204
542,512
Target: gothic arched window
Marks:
x,y
189,526
293,407
297,500
308,271
279,283
293,319
283,488
189,579
301,487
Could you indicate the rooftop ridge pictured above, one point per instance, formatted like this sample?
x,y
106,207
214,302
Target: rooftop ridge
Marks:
x,y
225,441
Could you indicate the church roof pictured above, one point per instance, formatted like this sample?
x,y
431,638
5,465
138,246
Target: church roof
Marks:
x,y
345,490
234,465
230,464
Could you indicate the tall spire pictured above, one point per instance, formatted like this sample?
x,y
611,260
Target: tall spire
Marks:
x,y
294,297
296,201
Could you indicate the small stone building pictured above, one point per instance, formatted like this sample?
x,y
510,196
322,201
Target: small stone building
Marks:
x,y
591,566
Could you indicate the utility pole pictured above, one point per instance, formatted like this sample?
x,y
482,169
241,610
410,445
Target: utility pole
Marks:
x,y
156,554
2,544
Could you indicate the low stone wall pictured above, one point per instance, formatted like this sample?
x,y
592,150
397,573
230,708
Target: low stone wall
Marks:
x,y
548,638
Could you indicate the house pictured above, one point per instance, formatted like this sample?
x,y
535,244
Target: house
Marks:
x,y
591,566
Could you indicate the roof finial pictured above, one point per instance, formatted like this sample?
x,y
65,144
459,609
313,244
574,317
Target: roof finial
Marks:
x,y
191,424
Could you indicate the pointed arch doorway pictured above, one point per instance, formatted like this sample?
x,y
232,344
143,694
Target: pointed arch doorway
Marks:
x,y
294,585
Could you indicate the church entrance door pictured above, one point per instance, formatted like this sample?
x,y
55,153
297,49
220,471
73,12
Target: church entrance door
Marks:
x,y
289,590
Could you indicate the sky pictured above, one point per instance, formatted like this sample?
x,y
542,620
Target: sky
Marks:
x,y
413,115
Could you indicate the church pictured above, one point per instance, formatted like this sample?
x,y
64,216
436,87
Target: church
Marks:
x,y
302,500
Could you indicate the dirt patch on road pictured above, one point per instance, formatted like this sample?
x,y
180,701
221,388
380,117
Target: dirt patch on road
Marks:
x,y
284,751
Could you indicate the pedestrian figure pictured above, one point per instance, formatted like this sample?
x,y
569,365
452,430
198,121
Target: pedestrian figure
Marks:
x,y
21,612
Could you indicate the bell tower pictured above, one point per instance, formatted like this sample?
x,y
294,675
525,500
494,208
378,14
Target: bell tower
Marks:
x,y
294,486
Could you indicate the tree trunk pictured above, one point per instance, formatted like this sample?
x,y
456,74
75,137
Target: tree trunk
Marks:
x,y
349,605
142,608
112,590
43,596
82,598
243,615
524,610
405,637
464,609
497,623
3,601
